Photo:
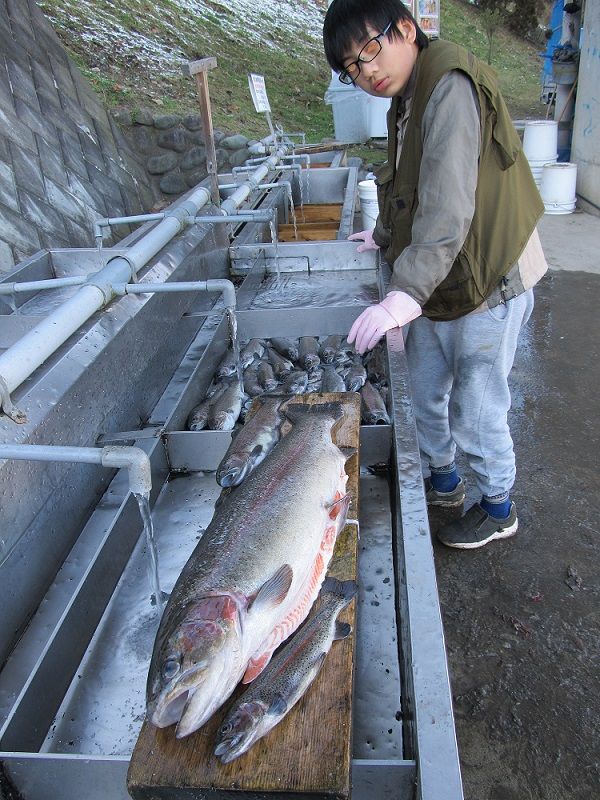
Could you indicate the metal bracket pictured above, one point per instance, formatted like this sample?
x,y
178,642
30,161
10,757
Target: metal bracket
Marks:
x,y
7,406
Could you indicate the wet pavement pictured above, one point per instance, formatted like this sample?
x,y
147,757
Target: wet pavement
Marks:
x,y
522,617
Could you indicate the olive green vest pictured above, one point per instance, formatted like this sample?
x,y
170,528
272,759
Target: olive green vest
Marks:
x,y
507,202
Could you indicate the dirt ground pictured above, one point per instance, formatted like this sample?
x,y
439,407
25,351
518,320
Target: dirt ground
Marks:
x,y
522,617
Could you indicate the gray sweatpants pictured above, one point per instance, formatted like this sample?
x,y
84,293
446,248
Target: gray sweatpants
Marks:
x,y
459,379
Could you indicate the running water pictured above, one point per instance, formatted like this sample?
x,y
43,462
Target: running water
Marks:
x,y
275,241
157,597
293,213
99,252
235,343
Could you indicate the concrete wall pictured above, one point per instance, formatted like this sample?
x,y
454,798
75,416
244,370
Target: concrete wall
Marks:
x,y
585,149
63,161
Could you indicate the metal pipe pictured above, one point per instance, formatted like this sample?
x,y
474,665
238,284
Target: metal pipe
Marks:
x,y
35,286
108,221
25,356
225,287
258,215
134,459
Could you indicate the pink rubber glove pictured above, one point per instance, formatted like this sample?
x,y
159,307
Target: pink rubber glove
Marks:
x,y
394,311
367,237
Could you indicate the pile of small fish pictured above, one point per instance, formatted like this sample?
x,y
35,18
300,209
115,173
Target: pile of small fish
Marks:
x,y
252,580
292,367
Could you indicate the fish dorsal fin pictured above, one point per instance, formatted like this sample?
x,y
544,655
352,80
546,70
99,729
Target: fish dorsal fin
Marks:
x,y
278,706
342,630
274,591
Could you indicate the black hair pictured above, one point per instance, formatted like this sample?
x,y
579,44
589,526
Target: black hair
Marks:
x,y
346,24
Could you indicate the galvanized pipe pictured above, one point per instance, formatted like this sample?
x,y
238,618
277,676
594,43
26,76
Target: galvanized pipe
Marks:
x,y
225,287
108,221
133,459
36,286
25,356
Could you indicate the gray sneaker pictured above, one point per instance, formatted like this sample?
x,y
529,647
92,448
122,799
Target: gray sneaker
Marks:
x,y
445,499
477,528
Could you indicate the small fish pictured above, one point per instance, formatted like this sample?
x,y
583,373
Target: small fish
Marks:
x,y
286,347
357,375
252,386
344,353
291,672
252,444
198,416
266,377
329,347
225,411
373,408
295,383
281,366
228,366
375,364
308,355
332,382
254,349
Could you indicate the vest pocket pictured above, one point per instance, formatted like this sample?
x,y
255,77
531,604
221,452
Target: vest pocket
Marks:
x,y
458,292
384,177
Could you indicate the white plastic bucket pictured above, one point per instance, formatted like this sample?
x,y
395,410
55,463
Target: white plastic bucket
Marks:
x,y
537,169
558,188
367,193
540,140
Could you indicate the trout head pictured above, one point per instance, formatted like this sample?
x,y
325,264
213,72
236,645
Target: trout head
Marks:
x,y
233,471
195,665
247,723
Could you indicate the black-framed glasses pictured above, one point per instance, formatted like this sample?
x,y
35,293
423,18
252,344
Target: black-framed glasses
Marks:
x,y
367,53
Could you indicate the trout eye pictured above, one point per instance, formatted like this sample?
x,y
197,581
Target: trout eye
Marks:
x,y
226,728
170,668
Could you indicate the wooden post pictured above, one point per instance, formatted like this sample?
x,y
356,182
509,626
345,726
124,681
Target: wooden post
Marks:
x,y
199,69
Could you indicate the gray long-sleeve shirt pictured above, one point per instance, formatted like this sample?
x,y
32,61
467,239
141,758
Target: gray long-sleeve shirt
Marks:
x,y
446,194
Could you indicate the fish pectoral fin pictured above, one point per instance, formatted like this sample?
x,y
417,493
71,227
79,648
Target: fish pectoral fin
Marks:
x,y
348,452
278,706
340,505
274,591
256,451
342,630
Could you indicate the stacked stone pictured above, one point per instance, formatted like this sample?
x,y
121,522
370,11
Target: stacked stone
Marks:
x,y
173,148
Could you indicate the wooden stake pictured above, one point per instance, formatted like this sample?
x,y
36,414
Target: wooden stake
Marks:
x,y
199,70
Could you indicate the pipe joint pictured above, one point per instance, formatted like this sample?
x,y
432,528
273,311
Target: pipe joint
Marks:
x,y
137,463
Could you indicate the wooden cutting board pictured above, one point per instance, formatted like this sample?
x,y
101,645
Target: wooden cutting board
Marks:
x,y
309,753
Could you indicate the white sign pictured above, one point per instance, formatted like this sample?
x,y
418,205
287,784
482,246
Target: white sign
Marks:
x,y
259,92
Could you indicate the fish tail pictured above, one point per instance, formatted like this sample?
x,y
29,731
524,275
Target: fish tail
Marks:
x,y
345,590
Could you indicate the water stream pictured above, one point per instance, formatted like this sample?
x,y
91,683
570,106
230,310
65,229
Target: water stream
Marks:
x,y
293,215
275,241
157,597
235,344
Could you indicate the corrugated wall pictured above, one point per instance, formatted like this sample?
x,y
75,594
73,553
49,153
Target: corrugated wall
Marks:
x,y
63,160
585,150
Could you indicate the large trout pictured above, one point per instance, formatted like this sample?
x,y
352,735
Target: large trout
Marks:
x,y
253,576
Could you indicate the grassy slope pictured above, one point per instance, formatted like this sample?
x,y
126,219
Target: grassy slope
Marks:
x,y
295,70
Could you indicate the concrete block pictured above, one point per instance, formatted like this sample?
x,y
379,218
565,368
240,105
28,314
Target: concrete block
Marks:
x,y
72,153
30,117
16,231
12,128
5,90
7,261
18,12
44,81
91,150
23,37
107,186
21,81
41,214
51,162
65,202
63,77
27,170
88,194
78,235
8,189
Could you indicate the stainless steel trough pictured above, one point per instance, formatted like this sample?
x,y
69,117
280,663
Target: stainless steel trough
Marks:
x,y
78,623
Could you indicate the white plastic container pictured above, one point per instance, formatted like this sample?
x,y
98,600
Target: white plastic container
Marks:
x,y
537,169
367,193
558,188
377,119
350,112
540,140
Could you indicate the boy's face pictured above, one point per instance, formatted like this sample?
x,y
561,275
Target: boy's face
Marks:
x,y
388,73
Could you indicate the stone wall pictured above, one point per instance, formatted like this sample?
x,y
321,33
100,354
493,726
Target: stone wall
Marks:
x,y
173,148
64,161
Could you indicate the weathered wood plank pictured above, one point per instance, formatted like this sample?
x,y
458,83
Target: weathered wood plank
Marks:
x,y
308,753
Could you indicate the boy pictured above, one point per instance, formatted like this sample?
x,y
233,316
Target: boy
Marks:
x,y
458,210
